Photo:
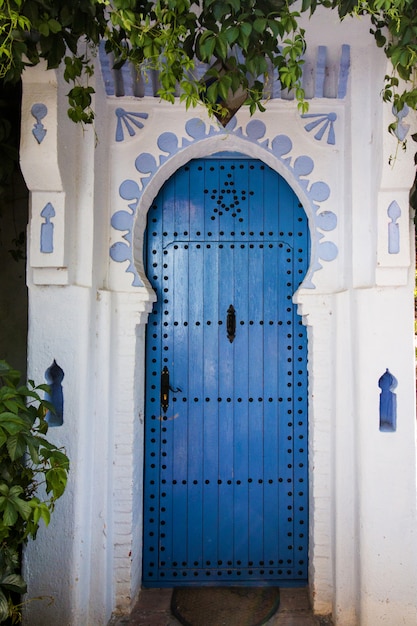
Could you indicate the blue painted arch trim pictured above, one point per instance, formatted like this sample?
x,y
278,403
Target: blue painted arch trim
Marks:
x,y
200,140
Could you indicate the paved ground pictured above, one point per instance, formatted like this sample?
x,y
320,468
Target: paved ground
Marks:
x,y
153,609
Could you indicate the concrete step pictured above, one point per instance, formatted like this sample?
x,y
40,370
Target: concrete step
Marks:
x,y
153,609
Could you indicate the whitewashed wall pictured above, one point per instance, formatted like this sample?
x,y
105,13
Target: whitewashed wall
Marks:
x,y
357,302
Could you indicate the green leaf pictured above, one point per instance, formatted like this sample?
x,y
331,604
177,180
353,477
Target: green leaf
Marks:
x,y
4,368
16,447
14,582
44,387
4,607
232,34
259,24
54,26
404,72
43,28
13,425
221,46
206,44
246,29
40,510
9,514
29,393
224,87
6,416
56,480
220,10
22,507
11,405
33,451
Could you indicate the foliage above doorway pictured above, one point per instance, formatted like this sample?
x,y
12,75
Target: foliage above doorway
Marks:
x,y
241,39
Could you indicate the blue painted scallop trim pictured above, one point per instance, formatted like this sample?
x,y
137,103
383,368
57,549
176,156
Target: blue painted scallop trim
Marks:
x,y
196,130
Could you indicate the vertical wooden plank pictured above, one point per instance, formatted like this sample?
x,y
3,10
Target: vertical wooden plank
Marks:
x,y
286,206
256,360
194,400
285,364
214,541
240,396
286,428
153,424
180,525
209,392
195,365
167,468
256,198
270,203
300,454
301,261
240,197
167,195
302,244
271,441
181,219
174,352
175,337
225,401
213,184
199,182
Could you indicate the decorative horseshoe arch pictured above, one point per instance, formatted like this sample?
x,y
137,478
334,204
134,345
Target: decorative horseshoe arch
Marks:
x,y
201,141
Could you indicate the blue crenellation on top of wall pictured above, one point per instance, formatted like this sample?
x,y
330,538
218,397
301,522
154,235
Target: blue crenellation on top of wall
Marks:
x,y
322,78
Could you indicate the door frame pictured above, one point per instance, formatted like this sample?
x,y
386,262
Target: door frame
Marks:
x,y
315,308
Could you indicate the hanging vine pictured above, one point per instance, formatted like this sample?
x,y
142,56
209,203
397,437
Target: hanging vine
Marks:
x,y
242,40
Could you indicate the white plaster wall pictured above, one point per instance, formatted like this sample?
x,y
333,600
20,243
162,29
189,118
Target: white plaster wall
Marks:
x,y
55,563
69,321
363,561
386,461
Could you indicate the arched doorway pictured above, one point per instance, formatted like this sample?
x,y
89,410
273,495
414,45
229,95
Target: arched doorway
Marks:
x,y
226,472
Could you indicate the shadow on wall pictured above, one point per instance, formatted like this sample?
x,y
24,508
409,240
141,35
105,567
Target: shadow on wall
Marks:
x,y
14,200
14,297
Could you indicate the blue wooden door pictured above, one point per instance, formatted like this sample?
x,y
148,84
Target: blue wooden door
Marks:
x,y
226,476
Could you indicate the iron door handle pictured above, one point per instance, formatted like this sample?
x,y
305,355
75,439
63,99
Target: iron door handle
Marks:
x,y
165,389
231,323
